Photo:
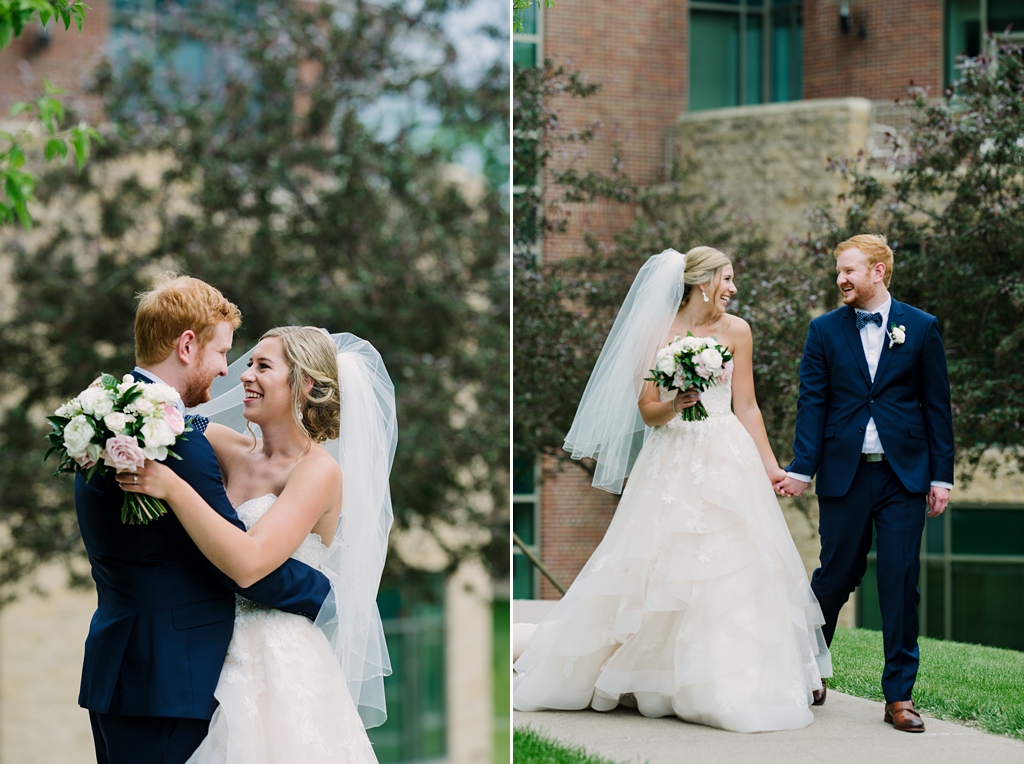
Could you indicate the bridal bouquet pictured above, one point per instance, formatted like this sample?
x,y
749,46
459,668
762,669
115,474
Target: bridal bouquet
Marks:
x,y
113,426
690,361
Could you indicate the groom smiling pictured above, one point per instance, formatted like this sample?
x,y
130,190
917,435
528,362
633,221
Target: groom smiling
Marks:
x,y
874,423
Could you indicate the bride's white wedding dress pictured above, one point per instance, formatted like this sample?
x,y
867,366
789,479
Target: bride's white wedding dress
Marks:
x,y
283,698
696,602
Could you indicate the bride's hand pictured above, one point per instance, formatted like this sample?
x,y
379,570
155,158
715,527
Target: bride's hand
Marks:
x,y
777,475
685,399
154,479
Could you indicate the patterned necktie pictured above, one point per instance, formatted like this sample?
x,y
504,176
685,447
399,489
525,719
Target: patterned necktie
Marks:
x,y
199,423
863,319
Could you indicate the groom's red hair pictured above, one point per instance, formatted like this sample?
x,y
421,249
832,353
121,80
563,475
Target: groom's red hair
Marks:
x,y
876,247
174,305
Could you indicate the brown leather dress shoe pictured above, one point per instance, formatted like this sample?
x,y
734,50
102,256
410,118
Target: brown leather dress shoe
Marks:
x,y
819,695
903,717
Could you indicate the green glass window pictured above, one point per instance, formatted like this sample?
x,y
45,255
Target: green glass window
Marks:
x,y
972,577
745,52
525,524
526,45
969,22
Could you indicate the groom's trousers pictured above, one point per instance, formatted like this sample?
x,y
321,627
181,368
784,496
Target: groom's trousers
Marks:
x,y
145,739
876,497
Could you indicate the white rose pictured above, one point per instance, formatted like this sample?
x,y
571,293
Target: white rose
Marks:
x,y
116,422
157,453
95,401
666,361
712,359
143,405
161,394
693,344
157,433
899,334
77,434
94,451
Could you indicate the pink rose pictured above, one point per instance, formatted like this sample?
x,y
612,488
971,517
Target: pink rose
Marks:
x,y
701,368
726,373
123,453
174,419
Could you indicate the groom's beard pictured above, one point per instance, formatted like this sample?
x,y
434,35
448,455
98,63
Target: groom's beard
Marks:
x,y
197,385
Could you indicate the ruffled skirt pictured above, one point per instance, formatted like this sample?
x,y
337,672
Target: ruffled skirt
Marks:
x,y
696,603
283,698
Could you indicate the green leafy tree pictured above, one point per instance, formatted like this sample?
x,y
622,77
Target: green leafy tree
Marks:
x,y
310,175
955,218
17,183
519,7
564,310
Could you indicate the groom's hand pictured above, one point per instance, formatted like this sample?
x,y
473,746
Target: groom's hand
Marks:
x,y
938,498
790,486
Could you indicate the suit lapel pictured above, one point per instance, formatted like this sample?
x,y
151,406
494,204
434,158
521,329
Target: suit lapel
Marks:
x,y
849,323
895,312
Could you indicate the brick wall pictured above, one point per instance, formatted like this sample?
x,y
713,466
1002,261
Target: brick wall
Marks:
x,y
903,43
574,518
66,60
636,50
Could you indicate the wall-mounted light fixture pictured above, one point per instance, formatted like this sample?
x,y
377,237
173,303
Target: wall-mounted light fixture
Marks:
x,y
844,17
42,39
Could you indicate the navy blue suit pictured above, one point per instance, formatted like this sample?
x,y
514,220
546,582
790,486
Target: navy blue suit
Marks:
x,y
910,403
164,618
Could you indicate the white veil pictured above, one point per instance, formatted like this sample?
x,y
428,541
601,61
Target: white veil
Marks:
x,y
608,426
353,563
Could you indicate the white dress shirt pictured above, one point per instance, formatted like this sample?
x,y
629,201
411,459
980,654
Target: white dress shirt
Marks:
x,y
150,375
871,339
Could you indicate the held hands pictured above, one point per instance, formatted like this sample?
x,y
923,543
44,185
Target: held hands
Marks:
x,y
685,399
937,500
789,486
154,479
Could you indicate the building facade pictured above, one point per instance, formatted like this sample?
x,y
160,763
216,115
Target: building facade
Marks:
x,y
763,93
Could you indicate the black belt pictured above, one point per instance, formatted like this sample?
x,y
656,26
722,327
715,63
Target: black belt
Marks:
x,y
874,458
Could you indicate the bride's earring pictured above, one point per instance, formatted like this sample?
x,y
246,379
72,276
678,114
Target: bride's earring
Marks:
x,y
704,295
298,412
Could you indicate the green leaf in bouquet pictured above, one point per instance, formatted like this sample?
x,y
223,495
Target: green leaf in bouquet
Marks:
x,y
59,422
109,381
171,453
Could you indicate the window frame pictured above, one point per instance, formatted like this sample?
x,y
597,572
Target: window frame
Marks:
x,y
533,498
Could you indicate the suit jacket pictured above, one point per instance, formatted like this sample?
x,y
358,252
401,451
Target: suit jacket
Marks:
x,y
165,614
909,401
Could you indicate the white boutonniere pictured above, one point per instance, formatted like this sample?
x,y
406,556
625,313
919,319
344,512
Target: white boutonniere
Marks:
x,y
897,335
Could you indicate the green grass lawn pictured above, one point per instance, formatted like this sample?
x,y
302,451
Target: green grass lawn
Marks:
x,y
531,748
983,686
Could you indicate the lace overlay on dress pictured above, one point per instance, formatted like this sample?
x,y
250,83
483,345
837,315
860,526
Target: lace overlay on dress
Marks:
x,y
282,695
696,602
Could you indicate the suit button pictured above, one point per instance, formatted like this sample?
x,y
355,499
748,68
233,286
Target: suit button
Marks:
x,y
860,429
871,400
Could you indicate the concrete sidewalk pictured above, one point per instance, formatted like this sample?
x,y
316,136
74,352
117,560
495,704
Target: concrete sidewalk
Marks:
x,y
846,730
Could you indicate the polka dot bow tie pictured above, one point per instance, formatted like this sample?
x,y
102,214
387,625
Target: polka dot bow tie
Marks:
x,y
863,319
199,423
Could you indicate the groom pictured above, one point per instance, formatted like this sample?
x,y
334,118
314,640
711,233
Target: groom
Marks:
x,y
164,618
874,422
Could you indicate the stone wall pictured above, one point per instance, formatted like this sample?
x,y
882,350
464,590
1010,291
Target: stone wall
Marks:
x,y
770,161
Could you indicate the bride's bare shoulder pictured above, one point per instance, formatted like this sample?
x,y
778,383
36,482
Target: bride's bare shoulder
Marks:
x,y
736,330
226,441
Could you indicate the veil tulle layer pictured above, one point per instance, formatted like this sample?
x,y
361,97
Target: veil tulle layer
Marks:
x,y
608,426
353,563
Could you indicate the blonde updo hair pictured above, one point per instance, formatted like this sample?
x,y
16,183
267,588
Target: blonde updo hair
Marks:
x,y
703,265
311,355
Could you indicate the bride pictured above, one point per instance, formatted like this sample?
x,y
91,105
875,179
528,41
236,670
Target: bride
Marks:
x,y
696,602
314,486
